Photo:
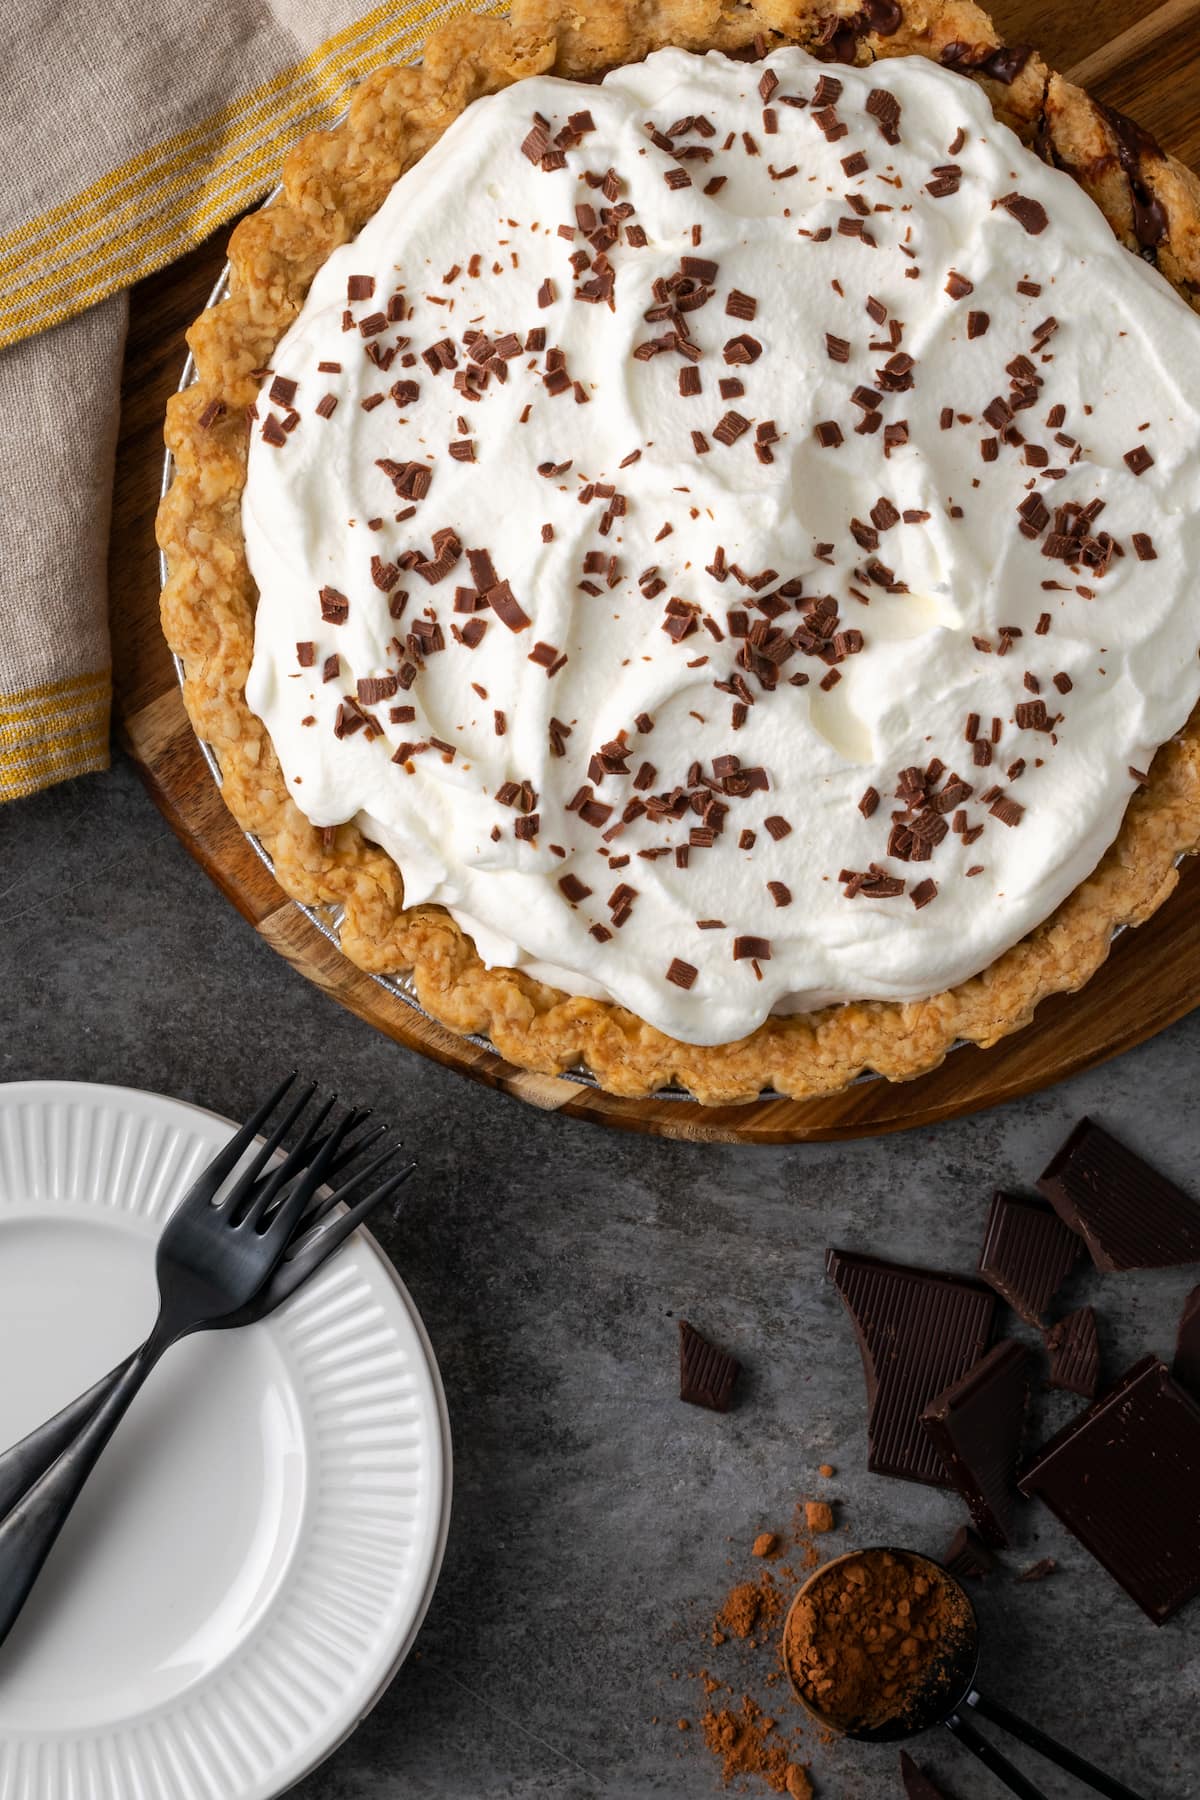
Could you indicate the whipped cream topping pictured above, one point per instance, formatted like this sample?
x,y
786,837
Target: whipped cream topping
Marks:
x,y
728,533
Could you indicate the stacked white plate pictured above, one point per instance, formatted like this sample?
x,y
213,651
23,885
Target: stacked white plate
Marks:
x,y
251,1561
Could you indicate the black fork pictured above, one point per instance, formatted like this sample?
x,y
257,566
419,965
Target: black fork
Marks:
x,y
320,1232
217,1252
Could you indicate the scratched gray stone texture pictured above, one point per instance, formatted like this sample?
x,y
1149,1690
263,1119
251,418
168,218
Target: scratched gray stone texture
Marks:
x,y
595,1516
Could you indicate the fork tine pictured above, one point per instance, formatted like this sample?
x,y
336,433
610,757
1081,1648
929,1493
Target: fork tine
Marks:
x,y
344,1156
245,1184
311,1171
319,1153
318,1207
299,1158
356,1182
321,1242
282,1222
215,1173
353,1147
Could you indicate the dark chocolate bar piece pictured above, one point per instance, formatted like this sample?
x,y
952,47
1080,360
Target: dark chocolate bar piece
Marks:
x,y
1186,1367
917,1784
967,1557
976,1426
1027,1254
918,1330
706,1375
1075,1353
1130,1216
1124,1478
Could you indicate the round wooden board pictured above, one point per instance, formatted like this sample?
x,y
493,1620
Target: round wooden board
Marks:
x,y
1142,58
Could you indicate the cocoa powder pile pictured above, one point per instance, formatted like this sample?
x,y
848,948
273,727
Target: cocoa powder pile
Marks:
x,y
748,1741
760,1738
870,1634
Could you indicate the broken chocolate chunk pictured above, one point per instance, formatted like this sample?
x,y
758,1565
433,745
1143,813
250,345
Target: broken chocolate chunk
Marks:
x,y
917,1784
1124,1478
1075,1353
1027,1254
918,1331
967,1557
706,1375
1129,1215
976,1426
1186,1367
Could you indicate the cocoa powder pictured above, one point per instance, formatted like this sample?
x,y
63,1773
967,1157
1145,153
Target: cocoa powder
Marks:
x,y
748,1742
870,1633
752,1609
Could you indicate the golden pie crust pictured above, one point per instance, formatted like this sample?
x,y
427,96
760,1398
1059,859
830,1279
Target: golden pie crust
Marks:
x,y
333,182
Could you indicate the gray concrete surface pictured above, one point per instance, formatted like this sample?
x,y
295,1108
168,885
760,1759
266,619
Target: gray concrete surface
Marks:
x,y
596,1518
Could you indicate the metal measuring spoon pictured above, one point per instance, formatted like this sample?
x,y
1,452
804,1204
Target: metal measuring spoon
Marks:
x,y
948,1695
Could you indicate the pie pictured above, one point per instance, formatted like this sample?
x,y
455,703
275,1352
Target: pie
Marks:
x,y
710,526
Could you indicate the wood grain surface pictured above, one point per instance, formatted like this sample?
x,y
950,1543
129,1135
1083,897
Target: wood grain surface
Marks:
x,y
1142,58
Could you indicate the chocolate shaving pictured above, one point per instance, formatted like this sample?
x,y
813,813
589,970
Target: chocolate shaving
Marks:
x,y
506,607
1030,214
730,427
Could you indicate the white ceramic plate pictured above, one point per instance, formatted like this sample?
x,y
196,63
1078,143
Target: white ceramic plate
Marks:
x,y
250,1563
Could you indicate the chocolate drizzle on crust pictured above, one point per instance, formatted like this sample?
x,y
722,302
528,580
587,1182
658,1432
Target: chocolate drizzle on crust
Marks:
x,y
1003,64
1135,147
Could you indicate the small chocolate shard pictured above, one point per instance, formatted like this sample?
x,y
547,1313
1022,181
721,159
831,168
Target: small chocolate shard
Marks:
x,y
967,1557
1129,1215
1075,1353
918,1785
918,1331
707,1376
1124,1478
1029,213
1186,1367
976,1426
1038,1571
1027,1254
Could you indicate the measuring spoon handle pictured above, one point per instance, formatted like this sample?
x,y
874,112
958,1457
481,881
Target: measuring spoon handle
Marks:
x,y
992,1759
1084,1771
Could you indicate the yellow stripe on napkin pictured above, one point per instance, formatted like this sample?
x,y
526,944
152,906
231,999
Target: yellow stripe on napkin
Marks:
x,y
168,198
51,732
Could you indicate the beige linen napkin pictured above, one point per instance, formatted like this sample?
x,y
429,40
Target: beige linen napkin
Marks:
x,y
128,132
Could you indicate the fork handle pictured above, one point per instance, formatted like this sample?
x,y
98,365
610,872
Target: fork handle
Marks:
x,y
28,1533
28,1460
